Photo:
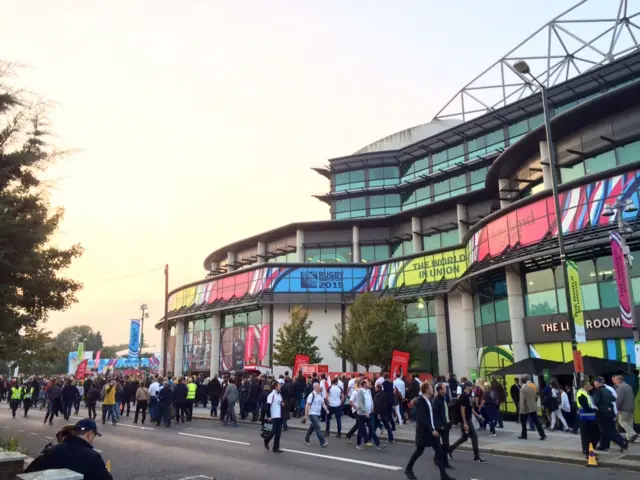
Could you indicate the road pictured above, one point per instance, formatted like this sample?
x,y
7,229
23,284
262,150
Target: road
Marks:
x,y
204,450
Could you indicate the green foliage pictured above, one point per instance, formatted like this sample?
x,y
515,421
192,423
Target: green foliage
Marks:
x,y
33,350
293,338
374,328
30,264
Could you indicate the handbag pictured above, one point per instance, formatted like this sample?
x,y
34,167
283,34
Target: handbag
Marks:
x,y
267,430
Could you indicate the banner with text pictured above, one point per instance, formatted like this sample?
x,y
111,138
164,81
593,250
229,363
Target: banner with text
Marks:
x,y
298,362
620,269
575,294
134,338
399,363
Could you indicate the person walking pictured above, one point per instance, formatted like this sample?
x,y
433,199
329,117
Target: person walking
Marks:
x,y
15,398
109,402
192,389
364,415
441,417
529,408
275,404
335,398
426,434
466,411
214,388
165,397
27,397
230,396
313,410
604,402
514,391
92,397
587,421
142,401
69,395
625,402
179,400
381,411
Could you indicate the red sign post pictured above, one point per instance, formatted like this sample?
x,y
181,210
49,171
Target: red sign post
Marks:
x,y
298,362
399,363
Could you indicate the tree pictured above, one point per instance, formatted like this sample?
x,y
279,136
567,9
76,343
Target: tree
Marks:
x,y
293,338
374,328
30,263
33,350
67,340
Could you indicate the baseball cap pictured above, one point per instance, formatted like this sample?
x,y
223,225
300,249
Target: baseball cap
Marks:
x,y
600,380
87,425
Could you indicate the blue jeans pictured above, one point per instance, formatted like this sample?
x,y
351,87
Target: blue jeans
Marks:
x,y
115,412
314,420
365,424
337,411
214,406
153,402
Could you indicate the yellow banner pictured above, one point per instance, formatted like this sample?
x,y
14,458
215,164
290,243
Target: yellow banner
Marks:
x,y
576,301
434,268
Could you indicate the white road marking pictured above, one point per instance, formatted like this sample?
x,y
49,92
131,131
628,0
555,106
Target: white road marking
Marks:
x,y
33,433
7,426
133,426
48,438
348,460
21,430
197,476
213,438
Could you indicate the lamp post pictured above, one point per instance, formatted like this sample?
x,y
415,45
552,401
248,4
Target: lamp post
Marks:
x,y
617,210
523,69
143,315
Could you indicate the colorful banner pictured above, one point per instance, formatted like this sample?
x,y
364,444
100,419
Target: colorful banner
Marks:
x,y
298,362
134,338
399,363
97,360
620,269
575,294
80,349
81,371
264,342
248,345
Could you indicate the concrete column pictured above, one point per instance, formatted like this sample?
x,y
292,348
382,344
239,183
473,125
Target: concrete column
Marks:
x,y
300,246
262,251
470,349
355,242
463,228
231,260
516,313
546,167
215,344
416,229
179,354
441,336
213,265
267,317
503,183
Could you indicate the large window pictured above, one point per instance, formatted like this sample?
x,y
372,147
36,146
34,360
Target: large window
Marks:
x,y
384,176
419,196
449,188
624,155
490,303
448,158
384,204
545,293
438,240
197,345
415,169
400,249
374,253
349,180
485,144
351,207
478,178
423,315
244,340
328,255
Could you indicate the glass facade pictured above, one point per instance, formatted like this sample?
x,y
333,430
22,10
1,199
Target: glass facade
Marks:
x,y
374,253
486,144
197,345
422,314
447,159
545,295
384,176
328,255
350,208
384,204
624,155
349,180
490,303
370,177
440,240
244,340
400,249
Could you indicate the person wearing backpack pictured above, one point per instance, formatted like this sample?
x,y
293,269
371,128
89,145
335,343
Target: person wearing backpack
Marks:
x,y
92,397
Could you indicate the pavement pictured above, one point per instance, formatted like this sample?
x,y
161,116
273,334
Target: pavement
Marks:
x,y
203,449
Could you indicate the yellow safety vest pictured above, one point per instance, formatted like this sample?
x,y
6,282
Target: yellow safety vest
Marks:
x,y
28,393
582,415
109,396
15,393
191,394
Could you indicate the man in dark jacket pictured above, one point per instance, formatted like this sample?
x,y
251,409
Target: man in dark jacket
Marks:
x,y
515,396
214,389
381,410
165,397
69,395
426,433
497,387
387,387
179,399
287,393
75,453
604,402
441,419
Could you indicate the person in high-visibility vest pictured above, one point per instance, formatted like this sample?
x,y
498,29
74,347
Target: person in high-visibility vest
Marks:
x,y
27,397
16,396
191,397
587,423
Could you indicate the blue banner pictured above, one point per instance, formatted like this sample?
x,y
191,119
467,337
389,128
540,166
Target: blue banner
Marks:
x,y
134,339
321,279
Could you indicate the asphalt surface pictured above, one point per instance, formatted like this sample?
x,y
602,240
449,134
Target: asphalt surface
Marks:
x,y
205,450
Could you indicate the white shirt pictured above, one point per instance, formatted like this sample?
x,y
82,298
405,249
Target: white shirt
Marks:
x,y
353,398
340,384
398,383
430,410
350,386
315,400
154,388
565,406
615,396
334,396
275,399
323,387
379,381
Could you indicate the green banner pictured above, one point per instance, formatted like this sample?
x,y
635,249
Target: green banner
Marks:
x,y
474,374
576,301
80,351
546,374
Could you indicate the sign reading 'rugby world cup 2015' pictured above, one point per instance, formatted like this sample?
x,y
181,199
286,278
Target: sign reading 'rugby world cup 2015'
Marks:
x,y
134,338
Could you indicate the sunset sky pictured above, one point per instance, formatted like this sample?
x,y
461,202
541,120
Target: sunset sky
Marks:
x,y
196,123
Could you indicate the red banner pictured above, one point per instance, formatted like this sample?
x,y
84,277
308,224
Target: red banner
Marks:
x,y
248,345
264,342
308,369
399,363
299,361
82,369
96,362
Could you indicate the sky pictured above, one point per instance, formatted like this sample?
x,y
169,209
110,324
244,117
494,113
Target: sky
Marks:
x,y
196,123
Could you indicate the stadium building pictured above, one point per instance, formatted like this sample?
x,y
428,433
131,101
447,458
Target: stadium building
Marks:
x,y
455,218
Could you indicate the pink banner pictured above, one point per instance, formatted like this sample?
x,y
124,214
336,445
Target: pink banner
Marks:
x,y
248,345
620,269
264,342
96,362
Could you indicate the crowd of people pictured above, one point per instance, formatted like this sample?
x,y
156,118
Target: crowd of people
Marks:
x,y
379,405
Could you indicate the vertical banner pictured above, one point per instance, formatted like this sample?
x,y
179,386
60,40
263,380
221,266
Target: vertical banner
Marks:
x,y
575,293
248,345
620,269
298,362
82,369
264,342
134,338
80,351
96,362
399,363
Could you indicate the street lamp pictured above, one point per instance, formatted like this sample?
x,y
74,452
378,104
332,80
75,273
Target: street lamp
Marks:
x,y
522,68
143,315
617,210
